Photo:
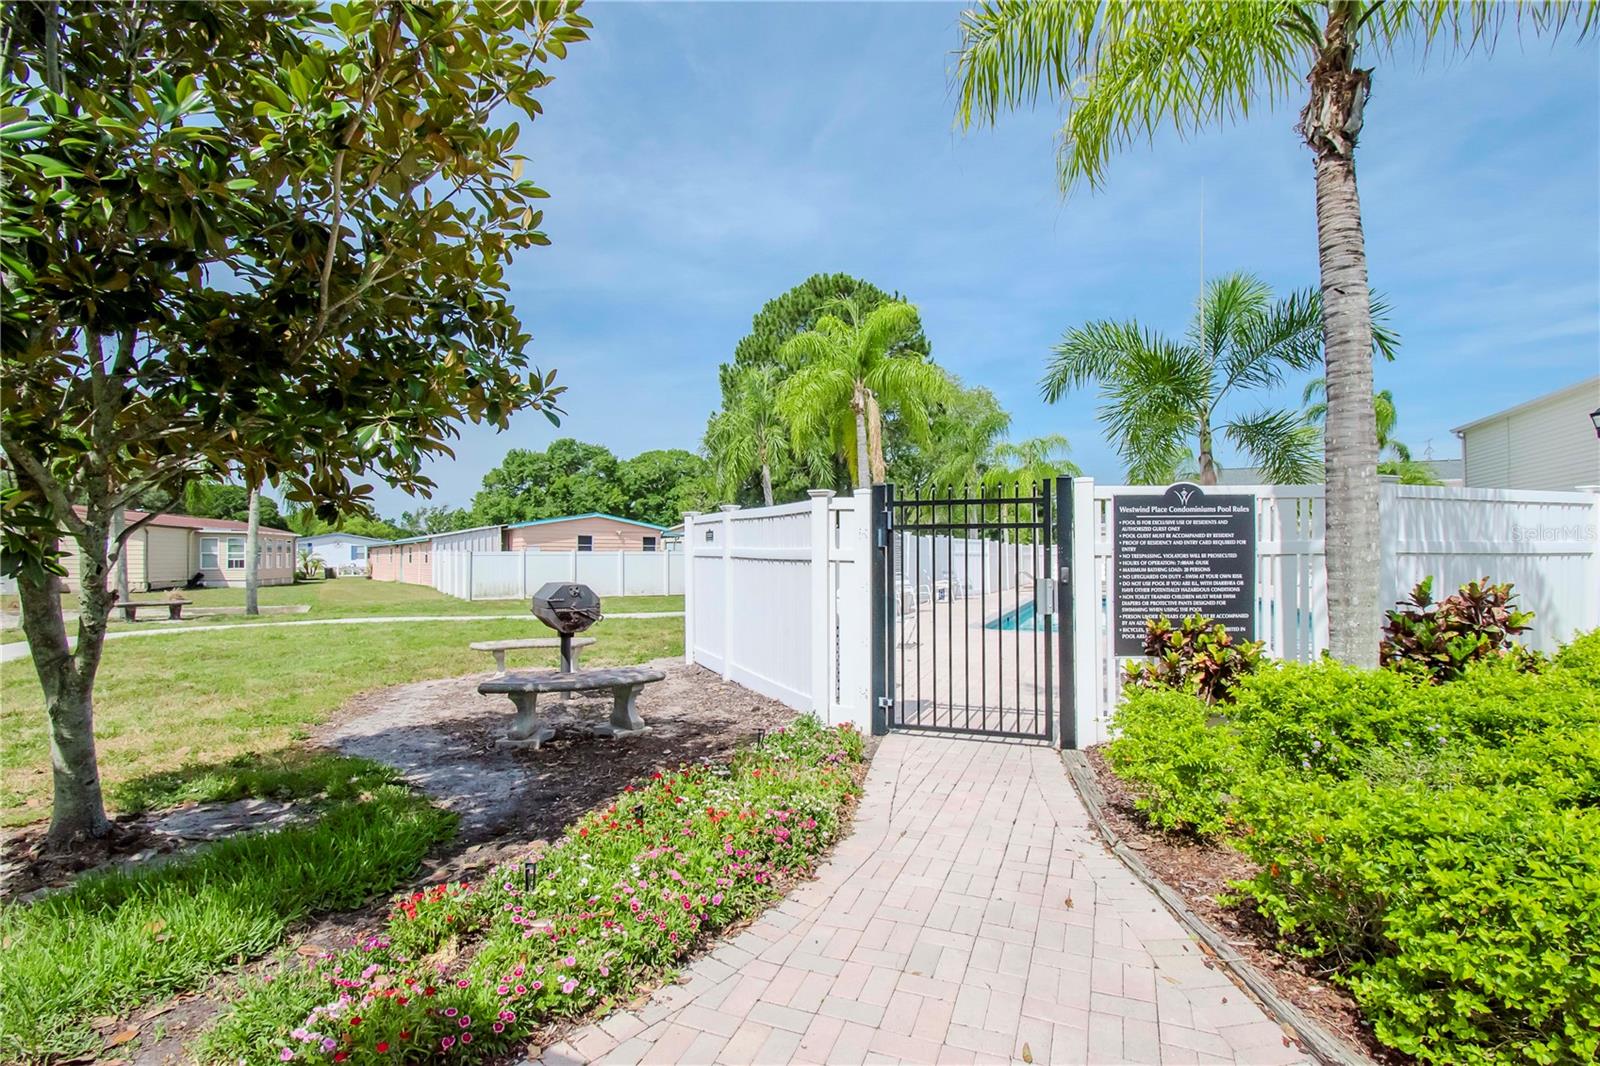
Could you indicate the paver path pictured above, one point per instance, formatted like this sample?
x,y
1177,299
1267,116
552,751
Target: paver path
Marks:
x,y
972,913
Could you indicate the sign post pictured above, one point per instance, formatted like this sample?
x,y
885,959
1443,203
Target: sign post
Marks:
x,y
1180,553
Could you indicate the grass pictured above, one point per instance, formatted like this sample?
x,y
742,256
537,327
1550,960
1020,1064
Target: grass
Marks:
x,y
346,597
204,698
464,973
116,940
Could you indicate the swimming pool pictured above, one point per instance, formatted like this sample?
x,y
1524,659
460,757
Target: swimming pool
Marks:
x,y
1018,618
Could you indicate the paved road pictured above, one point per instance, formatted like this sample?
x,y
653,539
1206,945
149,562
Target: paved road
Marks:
x,y
971,916
19,649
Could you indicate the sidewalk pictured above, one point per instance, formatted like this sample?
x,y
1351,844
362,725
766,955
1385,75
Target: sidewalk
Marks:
x,y
972,916
19,649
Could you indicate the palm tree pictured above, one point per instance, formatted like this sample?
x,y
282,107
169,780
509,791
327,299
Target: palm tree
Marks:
x,y
1028,463
842,377
748,438
1394,458
1125,70
1162,396
966,431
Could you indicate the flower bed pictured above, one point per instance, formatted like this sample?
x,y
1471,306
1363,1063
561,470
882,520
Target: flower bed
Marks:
x,y
464,971
1435,847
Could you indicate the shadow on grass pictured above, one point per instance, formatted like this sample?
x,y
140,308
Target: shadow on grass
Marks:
x,y
285,774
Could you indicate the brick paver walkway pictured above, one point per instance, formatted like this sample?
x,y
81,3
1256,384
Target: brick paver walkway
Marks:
x,y
972,916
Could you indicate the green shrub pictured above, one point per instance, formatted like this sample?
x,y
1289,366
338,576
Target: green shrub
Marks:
x,y
1465,922
1438,641
1197,656
1581,659
1323,716
1179,765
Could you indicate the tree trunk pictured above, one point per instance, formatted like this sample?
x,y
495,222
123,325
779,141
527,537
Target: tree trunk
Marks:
x,y
119,522
252,541
863,463
67,679
766,484
1331,124
1208,461
880,470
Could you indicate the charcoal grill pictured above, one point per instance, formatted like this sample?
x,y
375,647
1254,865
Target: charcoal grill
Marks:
x,y
569,609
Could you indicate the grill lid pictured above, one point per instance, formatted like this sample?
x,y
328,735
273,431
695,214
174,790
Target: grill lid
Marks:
x,y
566,607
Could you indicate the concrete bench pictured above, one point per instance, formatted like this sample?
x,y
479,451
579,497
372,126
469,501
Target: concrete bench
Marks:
x,y
498,649
130,608
528,730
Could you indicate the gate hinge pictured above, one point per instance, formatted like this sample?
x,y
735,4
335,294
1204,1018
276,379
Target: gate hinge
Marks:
x,y
885,702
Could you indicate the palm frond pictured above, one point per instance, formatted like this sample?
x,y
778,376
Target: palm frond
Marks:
x,y
1285,336
1287,450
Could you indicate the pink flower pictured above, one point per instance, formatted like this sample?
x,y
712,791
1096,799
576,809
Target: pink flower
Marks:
x,y
568,985
447,1043
285,1055
570,960
466,1038
498,1027
451,1012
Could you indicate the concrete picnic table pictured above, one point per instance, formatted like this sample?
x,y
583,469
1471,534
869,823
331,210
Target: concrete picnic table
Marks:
x,y
498,649
528,730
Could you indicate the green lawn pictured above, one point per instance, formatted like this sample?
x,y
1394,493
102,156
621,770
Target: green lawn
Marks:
x,y
207,697
346,597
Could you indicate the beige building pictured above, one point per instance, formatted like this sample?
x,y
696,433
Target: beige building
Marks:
x,y
1546,443
170,549
585,533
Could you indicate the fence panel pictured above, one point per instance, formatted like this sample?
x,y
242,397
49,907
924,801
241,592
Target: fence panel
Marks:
x,y
1547,543
777,600
484,575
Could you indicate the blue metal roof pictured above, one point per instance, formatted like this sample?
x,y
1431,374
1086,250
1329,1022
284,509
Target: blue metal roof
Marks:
x,y
590,514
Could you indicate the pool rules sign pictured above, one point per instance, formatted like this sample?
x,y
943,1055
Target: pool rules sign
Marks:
x,y
1183,552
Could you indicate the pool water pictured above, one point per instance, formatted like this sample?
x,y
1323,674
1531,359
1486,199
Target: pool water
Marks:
x,y
1018,618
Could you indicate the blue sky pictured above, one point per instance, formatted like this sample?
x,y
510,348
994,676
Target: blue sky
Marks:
x,y
703,158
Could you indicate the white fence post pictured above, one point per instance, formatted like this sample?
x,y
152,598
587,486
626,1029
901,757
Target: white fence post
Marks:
x,y
1085,615
823,608
727,590
688,585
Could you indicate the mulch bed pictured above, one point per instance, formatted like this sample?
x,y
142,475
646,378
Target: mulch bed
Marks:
x,y
1199,873
441,734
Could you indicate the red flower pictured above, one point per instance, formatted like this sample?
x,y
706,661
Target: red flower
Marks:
x,y
383,1045
355,1019
405,1034
340,1056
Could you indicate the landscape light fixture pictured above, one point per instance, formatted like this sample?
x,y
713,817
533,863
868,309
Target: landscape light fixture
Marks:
x,y
530,872
761,734
1594,416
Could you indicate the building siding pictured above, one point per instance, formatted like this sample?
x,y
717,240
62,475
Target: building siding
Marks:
x,y
1549,444
410,563
609,535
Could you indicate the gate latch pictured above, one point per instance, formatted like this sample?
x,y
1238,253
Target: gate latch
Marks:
x,y
1044,597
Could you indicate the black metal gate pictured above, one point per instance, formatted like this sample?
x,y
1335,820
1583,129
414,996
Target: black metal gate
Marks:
x,y
973,612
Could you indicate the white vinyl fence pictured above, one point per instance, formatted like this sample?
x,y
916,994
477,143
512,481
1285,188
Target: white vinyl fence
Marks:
x,y
1546,543
777,599
497,575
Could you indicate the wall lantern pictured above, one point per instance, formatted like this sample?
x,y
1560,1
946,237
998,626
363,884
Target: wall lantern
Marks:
x,y
1594,416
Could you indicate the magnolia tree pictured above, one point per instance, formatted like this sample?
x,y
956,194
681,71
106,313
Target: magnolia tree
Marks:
x,y
266,240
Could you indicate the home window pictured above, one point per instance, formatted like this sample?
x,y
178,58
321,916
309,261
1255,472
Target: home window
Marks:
x,y
358,553
235,553
585,542
649,544
208,554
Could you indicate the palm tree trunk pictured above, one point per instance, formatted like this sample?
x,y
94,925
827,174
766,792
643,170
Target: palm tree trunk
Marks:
x,y
880,470
766,484
1208,461
252,542
1331,123
863,462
